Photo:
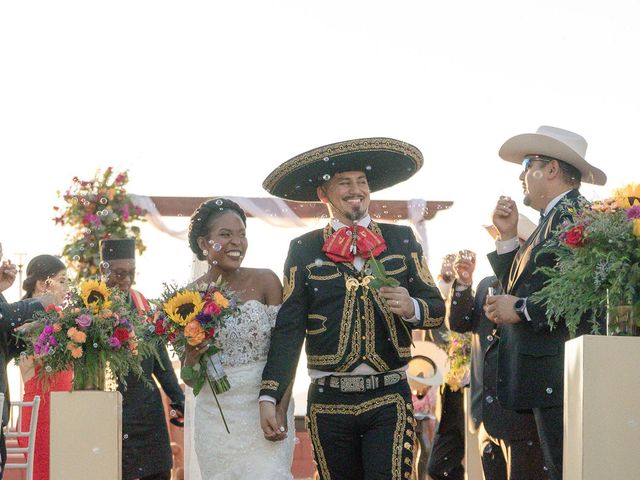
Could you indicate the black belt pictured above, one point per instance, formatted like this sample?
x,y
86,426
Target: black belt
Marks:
x,y
360,383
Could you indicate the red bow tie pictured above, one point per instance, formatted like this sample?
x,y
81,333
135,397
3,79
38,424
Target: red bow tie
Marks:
x,y
340,246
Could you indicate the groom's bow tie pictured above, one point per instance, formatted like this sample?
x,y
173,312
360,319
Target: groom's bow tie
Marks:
x,y
347,242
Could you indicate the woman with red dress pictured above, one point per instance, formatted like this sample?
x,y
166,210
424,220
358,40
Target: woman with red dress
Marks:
x,y
45,274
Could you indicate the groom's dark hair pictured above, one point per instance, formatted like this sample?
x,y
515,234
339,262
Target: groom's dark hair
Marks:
x,y
203,216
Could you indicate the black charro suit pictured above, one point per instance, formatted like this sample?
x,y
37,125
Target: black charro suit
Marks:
x,y
512,436
12,315
347,324
531,355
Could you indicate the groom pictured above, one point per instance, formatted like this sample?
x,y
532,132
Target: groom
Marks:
x,y
357,336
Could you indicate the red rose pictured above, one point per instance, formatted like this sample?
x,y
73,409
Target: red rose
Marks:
x,y
210,333
160,328
212,308
121,334
575,236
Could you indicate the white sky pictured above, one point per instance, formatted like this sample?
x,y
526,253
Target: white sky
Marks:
x,y
206,98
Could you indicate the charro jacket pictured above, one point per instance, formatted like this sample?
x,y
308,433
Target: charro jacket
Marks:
x,y
345,322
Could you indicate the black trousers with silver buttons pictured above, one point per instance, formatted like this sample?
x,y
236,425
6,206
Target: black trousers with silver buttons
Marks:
x,y
447,453
362,436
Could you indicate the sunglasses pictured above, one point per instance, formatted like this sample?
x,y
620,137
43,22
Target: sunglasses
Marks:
x,y
529,159
633,200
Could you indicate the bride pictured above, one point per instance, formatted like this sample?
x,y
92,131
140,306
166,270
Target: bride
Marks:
x,y
217,234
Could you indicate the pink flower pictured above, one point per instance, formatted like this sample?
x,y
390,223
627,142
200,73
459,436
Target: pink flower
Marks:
x,y
633,212
114,342
125,213
84,320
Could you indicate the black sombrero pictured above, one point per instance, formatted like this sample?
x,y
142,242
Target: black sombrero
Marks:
x,y
385,161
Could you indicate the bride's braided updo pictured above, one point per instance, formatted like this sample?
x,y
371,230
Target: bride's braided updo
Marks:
x,y
202,217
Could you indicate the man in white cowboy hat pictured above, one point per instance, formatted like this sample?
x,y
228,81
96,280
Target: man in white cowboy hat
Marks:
x,y
507,440
358,339
531,355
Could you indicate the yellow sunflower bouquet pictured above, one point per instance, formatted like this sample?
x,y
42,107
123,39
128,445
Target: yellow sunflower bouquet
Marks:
x,y
189,316
95,330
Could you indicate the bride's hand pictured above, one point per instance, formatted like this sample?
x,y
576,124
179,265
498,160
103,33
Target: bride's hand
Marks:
x,y
193,353
269,422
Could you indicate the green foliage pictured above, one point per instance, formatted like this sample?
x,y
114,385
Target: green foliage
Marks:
x,y
598,260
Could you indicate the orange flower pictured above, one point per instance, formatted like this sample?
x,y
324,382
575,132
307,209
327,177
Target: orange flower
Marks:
x,y
194,332
220,300
57,327
76,350
106,313
133,346
636,227
76,335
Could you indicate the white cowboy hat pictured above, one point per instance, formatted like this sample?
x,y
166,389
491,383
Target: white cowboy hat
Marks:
x,y
525,228
556,143
422,369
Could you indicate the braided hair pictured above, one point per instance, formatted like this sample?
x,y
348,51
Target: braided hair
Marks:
x,y
41,267
203,216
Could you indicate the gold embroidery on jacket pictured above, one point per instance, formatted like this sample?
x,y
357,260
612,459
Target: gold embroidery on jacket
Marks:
x,y
403,352
397,270
425,319
423,269
345,325
289,284
317,264
322,328
269,385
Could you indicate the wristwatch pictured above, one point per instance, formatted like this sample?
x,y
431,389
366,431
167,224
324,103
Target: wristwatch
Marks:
x,y
520,306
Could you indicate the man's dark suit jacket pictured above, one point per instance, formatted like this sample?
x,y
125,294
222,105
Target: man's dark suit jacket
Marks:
x,y
531,354
465,313
12,315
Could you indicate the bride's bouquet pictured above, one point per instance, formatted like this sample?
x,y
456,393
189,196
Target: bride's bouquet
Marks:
x,y
190,316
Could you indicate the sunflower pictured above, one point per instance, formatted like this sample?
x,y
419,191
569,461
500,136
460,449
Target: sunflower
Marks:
x,y
95,295
183,307
628,195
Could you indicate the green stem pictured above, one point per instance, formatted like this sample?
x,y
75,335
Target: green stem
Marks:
x,y
213,390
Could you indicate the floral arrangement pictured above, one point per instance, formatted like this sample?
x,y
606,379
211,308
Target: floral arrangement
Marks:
x,y
598,261
459,356
97,209
190,316
95,329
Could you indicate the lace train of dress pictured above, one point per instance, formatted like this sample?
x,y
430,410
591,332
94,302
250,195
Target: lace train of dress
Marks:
x,y
244,453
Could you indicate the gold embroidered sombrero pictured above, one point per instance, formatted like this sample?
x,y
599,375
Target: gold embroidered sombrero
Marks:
x,y
385,161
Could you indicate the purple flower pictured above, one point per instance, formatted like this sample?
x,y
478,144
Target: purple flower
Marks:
x,y
84,320
633,212
48,330
37,348
53,341
114,342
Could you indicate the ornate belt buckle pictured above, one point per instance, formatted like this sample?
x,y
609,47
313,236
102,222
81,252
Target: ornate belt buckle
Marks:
x,y
391,379
352,384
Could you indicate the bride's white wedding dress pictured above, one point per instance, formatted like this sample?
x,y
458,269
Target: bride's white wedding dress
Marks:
x,y
244,453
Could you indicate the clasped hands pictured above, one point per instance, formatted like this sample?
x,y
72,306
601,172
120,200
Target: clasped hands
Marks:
x,y
499,309
273,421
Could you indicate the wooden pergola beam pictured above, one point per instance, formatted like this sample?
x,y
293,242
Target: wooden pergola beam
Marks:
x,y
379,209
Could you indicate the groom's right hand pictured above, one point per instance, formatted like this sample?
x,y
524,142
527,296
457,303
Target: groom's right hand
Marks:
x,y
269,422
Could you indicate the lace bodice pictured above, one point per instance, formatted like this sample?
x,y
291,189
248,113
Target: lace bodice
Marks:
x,y
245,337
